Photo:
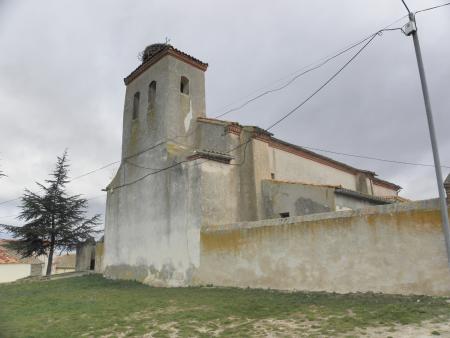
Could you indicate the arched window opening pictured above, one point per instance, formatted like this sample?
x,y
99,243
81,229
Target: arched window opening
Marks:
x,y
136,105
184,85
151,95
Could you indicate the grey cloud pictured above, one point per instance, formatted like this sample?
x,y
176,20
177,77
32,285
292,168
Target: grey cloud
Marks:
x,y
62,66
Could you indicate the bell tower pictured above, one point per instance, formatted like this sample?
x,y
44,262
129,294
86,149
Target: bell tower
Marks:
x,y
164,96
153,216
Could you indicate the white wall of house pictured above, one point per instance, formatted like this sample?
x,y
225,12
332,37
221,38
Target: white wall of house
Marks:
x,y
12,272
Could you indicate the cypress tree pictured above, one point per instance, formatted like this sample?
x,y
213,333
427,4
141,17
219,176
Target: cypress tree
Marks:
x,y
53,220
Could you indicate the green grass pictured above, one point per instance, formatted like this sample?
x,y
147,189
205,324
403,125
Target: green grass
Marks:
x,y
94,306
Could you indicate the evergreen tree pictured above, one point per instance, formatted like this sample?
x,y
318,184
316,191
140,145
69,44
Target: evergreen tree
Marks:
x,y
53,220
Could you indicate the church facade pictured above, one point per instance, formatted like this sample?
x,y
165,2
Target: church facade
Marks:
x,y
182,171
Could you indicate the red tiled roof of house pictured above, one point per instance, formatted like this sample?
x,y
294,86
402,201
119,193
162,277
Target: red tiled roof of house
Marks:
x,y
9,256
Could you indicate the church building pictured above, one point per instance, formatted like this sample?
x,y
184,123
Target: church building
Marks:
x,y
181,171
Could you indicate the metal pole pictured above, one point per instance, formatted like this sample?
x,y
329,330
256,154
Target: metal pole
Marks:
x,y
437,162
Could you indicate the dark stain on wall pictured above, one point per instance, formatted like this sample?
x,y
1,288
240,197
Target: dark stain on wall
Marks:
x,y
306,206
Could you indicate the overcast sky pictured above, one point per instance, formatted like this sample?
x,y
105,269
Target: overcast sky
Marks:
x,y
62,65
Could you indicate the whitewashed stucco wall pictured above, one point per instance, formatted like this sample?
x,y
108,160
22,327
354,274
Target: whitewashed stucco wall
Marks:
x,y
291,167
153,217
12,272
396,248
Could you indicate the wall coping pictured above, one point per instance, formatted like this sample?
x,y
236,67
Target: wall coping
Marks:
x,y
431,204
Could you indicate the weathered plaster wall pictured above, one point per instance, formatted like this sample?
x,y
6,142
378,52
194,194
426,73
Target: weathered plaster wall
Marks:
x,y
173,114
85,254
150,126
211,136
12,272
219,193
36,269
397,248
290,167
99,254
153,229
153,217
297,199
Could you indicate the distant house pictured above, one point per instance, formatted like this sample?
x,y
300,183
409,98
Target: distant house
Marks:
x,y
14,267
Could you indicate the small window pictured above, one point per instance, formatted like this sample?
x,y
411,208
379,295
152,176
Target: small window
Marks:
x,y
136,105
284,215
151,95
184,85
272,176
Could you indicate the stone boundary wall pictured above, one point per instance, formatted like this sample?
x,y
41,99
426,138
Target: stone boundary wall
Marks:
x,y
99,254
397,248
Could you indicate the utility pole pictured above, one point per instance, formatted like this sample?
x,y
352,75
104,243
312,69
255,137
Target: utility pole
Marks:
x,y
411,29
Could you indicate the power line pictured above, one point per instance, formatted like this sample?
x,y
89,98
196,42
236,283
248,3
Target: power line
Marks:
x,y
322,63
371,38
292,79
324,84
93,171
328,59
149,174
371,158
73,179
263,94
179,163
252,99
272,125
141,166
11,200
87,199
431,8
314,63
325,60
9,216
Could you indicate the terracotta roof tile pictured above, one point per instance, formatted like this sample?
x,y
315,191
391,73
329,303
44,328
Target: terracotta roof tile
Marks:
x,y
9,256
